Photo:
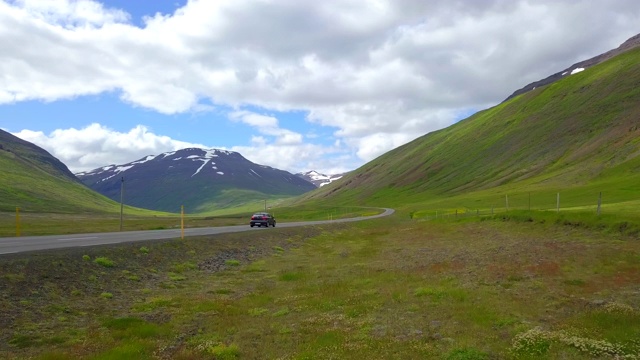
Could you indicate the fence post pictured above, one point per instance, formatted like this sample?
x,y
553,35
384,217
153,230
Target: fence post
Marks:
x,y
558,203
506,199
456,213
599,202
182,222
121,201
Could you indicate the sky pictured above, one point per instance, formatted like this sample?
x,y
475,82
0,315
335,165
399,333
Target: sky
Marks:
x,y
296,85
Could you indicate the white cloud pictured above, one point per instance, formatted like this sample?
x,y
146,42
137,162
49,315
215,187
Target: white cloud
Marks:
x,y
381,72
267,125
281,148
96,145
69,14
295,157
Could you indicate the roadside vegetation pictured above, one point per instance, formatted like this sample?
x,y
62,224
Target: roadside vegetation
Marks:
x,y
504,287
137,219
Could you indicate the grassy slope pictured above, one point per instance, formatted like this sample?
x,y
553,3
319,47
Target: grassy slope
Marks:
x,y
36,182
579,135
36,190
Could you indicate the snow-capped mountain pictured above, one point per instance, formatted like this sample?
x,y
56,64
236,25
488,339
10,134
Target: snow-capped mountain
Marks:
x,y
199,179
318,179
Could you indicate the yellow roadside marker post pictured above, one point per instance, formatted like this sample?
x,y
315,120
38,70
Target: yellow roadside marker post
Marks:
x,y
182,222
17,221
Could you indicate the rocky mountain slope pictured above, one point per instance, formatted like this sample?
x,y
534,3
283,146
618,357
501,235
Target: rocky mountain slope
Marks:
x,y
196,178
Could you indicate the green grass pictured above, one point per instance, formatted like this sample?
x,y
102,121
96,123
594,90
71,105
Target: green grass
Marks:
x,y
103,261
57,223
577,137
451,289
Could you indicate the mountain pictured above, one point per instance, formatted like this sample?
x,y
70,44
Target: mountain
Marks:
x,y
35,181
632,43
580,132
318,179
196,178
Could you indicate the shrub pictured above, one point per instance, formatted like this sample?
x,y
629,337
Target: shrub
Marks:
x,y
180,268
232,262
257,311
104,261
144,250
177,277
86,257
224,352
281,312
106,295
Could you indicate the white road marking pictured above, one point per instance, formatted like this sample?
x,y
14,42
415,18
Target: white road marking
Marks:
x,y
78,238
12,243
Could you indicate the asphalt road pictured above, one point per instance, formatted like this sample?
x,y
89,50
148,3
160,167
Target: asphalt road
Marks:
x,y
33,243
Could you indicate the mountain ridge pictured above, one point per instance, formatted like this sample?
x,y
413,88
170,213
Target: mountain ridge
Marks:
x,y
629,44
200,179
568,134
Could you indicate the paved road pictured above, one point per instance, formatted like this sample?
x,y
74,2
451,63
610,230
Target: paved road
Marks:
x,y
33,243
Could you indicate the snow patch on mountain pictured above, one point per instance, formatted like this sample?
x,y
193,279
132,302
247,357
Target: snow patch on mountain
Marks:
x,y
319,179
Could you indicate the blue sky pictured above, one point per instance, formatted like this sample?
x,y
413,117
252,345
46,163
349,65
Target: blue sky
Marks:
x,y
295,85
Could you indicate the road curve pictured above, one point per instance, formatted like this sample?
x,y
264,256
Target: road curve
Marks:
x,y
33,243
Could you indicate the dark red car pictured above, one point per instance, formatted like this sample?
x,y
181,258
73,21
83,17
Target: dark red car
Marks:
x,y
262,219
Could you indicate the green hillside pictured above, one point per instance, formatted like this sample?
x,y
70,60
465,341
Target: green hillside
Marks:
x,y
35,181
579,136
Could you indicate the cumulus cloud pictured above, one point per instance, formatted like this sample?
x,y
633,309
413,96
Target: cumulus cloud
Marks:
x,y
381,72
96,145
283,148
267,125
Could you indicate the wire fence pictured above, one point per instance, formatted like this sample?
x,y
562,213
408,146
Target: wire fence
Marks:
x,y
513,203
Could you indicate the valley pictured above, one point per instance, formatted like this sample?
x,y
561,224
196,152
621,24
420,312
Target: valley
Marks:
x,y
515,236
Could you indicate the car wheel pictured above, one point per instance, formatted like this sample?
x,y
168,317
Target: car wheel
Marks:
x,y
274,224
251,225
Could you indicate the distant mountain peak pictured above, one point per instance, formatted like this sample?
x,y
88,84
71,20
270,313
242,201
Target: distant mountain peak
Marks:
x,y
319,179
192,176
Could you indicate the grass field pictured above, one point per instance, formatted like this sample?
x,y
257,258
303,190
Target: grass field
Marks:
x,y
393,288
31,224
